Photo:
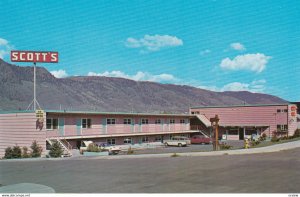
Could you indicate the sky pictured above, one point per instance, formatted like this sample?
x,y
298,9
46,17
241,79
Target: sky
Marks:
x,y
212,44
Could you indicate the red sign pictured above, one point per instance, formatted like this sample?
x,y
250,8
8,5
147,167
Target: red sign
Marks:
x,y
34,56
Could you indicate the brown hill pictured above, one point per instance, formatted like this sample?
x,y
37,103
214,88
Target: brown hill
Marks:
x,y
110,94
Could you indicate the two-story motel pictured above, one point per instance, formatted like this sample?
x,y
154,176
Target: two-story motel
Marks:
x,y
236,122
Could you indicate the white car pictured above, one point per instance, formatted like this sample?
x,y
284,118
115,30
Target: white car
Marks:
x,y
175,142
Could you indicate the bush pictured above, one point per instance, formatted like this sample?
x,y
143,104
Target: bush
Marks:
x,y
8,153
129,151
16,152
255,143
225,146
25,153
275,139
36,149
174,155
263,137
93,148
56,150
284,138
297,133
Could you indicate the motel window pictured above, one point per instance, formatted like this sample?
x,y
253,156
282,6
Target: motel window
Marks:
x,y
145,139
250,132
193,112
172,121
52,123
110,121
282,110
157,139
232,132
111,141
282,127
127,121
144,121
182,121
157,121
86,123
127,141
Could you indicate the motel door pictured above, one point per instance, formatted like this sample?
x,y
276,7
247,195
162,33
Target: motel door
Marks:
x,y
241,134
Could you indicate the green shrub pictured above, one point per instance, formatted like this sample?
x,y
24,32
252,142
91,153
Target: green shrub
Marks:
x,y
275,139
8,153
263,137
130,151
25,153
56,150
255,143
284,138
297,133
36,149
174,155
93,148
225,146
16,152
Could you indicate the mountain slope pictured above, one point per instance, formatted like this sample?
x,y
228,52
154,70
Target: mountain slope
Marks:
x,y
110,94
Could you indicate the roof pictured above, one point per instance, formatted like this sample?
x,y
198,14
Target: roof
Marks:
x,y
95,113
246,105
113,113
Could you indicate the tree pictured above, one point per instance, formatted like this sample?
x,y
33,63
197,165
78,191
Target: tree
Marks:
x,y
8,153
56,150
36,149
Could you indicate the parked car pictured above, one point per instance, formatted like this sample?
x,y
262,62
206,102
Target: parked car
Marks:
x,y
183,138
175,142
201,139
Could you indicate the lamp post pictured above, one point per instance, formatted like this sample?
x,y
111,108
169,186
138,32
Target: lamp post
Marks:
x,y
215,122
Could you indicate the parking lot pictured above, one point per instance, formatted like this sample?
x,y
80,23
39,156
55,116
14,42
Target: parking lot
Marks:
x,y
276,172
173,149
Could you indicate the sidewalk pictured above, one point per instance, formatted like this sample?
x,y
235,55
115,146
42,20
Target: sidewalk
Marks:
x,y
266,149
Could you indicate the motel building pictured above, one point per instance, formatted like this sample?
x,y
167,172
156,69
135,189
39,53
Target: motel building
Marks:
x,y
242,121
70,128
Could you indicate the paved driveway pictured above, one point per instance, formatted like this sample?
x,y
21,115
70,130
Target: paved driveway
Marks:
x,y
267,172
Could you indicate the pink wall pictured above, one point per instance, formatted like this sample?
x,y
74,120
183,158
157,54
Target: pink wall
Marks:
x,y
20,129
251,116
98,128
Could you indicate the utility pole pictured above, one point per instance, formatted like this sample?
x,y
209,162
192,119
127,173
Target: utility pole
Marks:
x,y
215,122
34,102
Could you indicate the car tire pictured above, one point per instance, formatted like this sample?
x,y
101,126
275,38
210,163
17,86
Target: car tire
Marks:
x,y
180,145
166,144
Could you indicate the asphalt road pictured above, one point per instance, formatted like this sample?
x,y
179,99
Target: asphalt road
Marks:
x,y
277,172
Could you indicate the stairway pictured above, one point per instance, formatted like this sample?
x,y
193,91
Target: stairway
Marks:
x,y
66,146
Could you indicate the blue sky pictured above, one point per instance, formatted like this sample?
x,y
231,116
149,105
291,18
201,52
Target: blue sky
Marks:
x,y
216,45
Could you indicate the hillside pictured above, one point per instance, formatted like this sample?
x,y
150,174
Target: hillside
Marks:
x,y
110,94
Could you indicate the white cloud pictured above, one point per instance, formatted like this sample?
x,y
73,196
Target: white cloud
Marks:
x,y
139,76
237,46
253,62
59,73
256,86
3,42
204,52
154,43
5,48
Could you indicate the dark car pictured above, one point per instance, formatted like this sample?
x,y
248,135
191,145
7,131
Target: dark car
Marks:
x,y
201,139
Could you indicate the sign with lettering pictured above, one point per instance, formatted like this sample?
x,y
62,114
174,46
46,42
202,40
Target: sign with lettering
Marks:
x,y
39,114
34,56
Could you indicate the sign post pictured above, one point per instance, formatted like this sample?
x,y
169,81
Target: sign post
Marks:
x,y
34,56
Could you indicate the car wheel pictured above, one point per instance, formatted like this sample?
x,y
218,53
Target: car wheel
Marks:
x,y
166,144
180,145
